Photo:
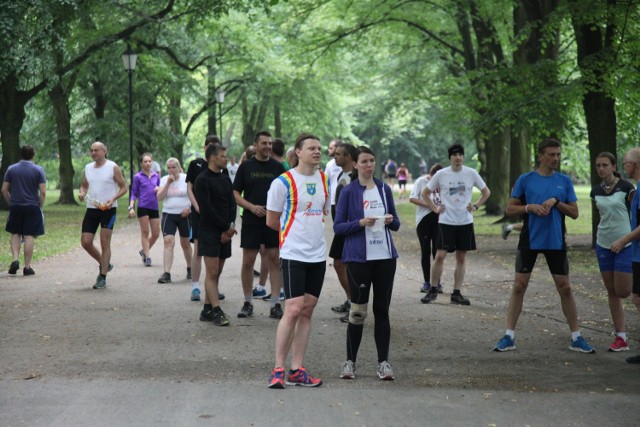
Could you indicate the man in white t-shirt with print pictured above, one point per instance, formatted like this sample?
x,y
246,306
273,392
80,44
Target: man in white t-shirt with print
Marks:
x,y
297,203
455,219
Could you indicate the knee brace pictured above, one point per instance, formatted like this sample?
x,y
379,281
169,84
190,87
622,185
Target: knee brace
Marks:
x,y
358,313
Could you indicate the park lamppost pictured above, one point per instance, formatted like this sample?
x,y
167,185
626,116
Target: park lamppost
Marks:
x,y
129,59
220,97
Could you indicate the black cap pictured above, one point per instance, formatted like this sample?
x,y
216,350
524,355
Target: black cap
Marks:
x,y
456,149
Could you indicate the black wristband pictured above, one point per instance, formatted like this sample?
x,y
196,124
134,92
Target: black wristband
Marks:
x,y
556,203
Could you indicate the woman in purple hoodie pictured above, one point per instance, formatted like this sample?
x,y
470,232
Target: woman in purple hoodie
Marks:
x,y
365,215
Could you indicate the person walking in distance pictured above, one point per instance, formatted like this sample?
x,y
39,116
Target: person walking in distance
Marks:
x,y
365,215
250,188
101,186
175,216
544,197
426,225
297,202
455,219
24,188
344,156
631,165
144,189
217,205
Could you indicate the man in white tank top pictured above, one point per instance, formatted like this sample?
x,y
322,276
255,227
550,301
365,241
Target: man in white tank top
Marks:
x,y
102,185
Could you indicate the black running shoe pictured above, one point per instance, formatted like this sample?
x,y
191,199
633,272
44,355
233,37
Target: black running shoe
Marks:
x,y
256,273
220,318
165,278
276,312
188,273
13,268
431,296
246,310
345,318
28,271
457,298
206,316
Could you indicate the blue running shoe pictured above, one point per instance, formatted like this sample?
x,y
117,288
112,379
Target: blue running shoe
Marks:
x,y
425,287
195,295
259,294
281,297
581,345
505,344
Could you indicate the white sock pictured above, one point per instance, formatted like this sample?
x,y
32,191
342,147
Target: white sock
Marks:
x,y
575,335
622,335
260,287
195,285
511,333
509,227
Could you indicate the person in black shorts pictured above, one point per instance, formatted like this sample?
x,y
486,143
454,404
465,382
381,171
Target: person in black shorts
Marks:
x,y
24,188
196,167
102,185
217,205
250,188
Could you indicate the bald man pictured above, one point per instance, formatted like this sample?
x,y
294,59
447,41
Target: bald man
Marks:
x,y
102,185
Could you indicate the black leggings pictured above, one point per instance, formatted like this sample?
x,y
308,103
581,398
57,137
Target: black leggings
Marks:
x,y
362,276
427,233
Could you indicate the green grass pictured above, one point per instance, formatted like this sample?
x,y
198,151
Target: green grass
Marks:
x,y
484,225
62,231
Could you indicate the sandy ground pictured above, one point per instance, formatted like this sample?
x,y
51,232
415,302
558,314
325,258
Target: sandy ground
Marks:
x,y
54,327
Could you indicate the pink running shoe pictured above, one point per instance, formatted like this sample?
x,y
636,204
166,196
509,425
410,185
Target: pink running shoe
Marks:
x,y
619,345
276,380
302,378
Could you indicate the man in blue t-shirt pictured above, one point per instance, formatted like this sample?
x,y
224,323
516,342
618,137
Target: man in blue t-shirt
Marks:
x,y
631,165
544,197
24,188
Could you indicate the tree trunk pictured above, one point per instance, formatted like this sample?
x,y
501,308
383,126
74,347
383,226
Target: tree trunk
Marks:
x,y
277,118
497,171
595,55
60,104
211,101
12,115
177,141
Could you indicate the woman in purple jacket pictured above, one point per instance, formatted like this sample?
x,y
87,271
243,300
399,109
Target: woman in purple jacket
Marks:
x,y
366,214
144,189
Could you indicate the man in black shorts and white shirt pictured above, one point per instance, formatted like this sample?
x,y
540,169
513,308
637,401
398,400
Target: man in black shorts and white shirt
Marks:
x,y
250,187
455,221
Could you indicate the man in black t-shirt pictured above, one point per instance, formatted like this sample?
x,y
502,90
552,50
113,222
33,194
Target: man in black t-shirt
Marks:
x,y
250,188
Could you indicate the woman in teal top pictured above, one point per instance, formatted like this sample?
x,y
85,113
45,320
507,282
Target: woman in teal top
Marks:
x,y
613,197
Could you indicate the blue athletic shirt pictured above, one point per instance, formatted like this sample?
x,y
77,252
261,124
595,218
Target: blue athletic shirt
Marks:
x,y
543,232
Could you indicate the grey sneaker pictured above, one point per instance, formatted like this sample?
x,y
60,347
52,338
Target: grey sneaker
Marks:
x,y
342,308
147,262
165,278
348,370
246,310
505,231
385,372
101,282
